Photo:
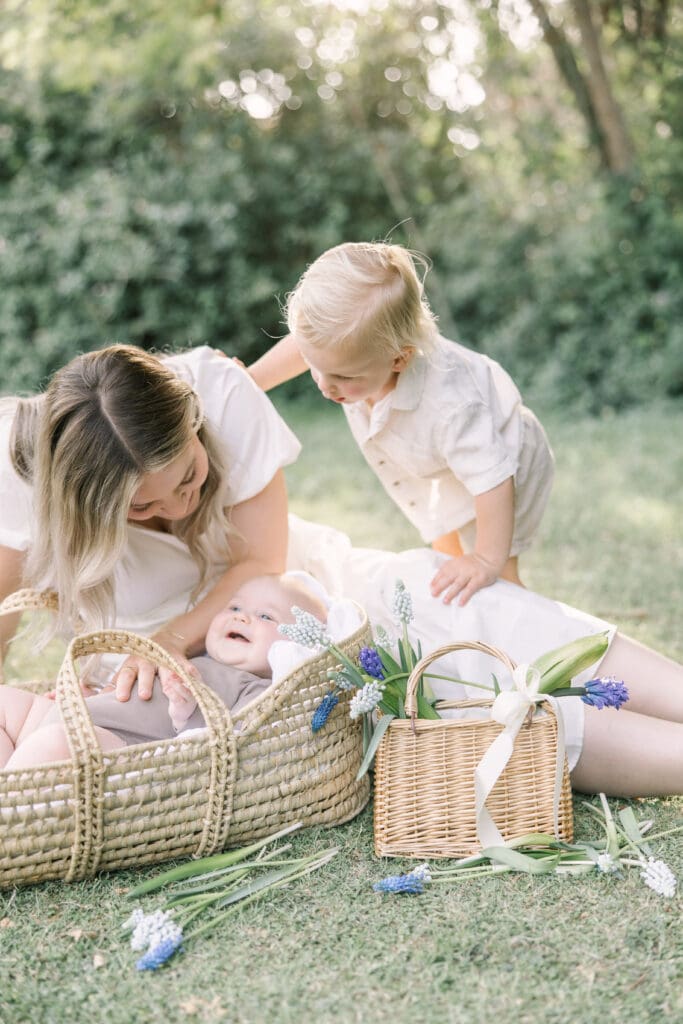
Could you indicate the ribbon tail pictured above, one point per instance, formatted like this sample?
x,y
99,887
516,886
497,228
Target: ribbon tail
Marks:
x,y
486,775
559,764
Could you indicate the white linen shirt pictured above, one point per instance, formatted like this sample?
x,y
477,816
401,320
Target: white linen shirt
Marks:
x,y
156,574
454,427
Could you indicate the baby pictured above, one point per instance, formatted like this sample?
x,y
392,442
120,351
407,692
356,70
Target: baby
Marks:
x,y
235,666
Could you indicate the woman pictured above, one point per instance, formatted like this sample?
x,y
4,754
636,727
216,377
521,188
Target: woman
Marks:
x,y
157,489
143,490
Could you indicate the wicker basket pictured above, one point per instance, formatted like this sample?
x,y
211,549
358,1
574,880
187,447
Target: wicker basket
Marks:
x,y
180,797
424,777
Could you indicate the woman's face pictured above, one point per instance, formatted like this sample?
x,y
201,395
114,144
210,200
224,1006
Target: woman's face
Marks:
x,y
172,493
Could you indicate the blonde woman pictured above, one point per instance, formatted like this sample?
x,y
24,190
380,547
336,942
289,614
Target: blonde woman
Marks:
x,y
143,490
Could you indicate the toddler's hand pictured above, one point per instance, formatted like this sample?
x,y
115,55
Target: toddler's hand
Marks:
x,y
181,703
464,576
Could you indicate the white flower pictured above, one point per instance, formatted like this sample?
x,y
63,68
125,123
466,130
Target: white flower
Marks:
x,y
422,872
382,637
365,699
307,630
340,679
659,876
403,604
153,929
607,863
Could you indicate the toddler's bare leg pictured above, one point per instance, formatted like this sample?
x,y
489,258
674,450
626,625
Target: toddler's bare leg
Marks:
x,y
21,713
50,744
629,754
449,544
510,571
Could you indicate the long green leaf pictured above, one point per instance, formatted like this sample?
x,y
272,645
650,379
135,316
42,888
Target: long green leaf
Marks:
x,y
632,830
389,663
381,727
521,861
216,861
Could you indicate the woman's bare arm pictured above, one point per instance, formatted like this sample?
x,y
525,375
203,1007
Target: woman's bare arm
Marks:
x,y
260,547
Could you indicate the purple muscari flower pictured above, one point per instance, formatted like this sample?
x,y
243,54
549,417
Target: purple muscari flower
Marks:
x,y
606,692
411,882
159,954
324,710
371,662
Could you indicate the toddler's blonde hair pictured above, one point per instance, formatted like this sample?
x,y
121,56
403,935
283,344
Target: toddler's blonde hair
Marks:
x,y
363,296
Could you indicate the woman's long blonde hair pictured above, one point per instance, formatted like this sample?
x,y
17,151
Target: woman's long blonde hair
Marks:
x,y
105,420
363,296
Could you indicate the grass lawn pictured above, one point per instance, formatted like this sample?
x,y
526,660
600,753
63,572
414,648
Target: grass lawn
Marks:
x,y
511,949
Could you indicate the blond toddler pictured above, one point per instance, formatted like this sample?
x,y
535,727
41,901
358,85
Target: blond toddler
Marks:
x,y
235,666
443,427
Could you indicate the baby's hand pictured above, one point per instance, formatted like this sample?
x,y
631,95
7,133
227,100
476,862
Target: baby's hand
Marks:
x,y
465,576
181,703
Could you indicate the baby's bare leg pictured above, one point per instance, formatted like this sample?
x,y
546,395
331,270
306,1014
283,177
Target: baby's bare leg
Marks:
x,y
21,713
49,744
629,754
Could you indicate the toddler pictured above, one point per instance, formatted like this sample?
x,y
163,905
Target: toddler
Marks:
x,y
235,667
444,428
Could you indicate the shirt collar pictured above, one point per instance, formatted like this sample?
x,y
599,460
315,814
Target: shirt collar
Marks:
x,y
405,397
410,385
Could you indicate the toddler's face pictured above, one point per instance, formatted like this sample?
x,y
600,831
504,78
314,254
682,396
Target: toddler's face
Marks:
x,y
243,632
353,377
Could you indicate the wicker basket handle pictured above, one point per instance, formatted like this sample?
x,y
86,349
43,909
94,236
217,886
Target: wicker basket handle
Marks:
x,y
423,663
29,600
89,770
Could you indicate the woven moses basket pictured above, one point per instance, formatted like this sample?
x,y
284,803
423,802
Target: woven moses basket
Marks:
x,y
180,797
424,802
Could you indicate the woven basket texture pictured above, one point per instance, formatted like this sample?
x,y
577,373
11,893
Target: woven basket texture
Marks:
x,y
424,800
180,797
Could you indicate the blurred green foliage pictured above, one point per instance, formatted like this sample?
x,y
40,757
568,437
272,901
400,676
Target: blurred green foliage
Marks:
x,y
167,171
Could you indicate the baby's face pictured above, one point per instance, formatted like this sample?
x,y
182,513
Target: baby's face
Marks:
x,y
242,633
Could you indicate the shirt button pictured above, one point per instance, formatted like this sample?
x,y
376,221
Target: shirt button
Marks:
x,y
397,483
381,462
412,503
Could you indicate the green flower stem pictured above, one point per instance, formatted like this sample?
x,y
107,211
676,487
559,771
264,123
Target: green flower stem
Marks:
x,y
218,879
312,863
460,682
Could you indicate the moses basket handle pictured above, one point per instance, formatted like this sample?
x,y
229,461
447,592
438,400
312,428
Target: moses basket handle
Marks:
x,y
89,770
423,663
27,600
88,758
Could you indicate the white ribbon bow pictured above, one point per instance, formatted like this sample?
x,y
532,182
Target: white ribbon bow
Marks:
x,y
511,708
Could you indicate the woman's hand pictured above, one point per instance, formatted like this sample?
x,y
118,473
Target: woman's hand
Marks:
x,y
137,669
463,576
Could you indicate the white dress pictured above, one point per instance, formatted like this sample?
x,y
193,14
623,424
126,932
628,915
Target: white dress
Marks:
x,y
518,621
